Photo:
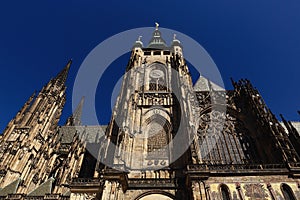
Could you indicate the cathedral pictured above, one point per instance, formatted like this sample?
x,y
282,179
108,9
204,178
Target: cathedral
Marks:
x,y
167,139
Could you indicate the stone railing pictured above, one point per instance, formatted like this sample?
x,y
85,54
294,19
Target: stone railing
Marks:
x,y
85,182
207,167
151,183
14,196
25,197
34,198
52,196
294,165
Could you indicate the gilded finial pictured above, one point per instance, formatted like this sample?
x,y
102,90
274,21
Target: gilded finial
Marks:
x,y
156,25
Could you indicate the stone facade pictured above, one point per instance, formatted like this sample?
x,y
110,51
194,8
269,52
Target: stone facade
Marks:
x,y
167,139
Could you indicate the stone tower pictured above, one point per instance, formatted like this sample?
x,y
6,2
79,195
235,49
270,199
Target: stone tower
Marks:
x,y
154,107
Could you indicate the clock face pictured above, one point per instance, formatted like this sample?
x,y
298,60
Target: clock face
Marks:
x,y
156,73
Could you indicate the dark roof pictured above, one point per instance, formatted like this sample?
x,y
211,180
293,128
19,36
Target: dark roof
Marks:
x,y
43,189
89,134
10,188
157,41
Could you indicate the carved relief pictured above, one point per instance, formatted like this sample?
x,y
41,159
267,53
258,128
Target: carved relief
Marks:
x,y
255,191
90,196
35,178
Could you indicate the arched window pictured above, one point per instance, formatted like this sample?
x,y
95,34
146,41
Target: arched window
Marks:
x,y
225,192
157,140
287,192
157,78
157,131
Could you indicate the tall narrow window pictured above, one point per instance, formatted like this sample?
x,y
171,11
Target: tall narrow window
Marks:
x,y
225,192
287,192
157,140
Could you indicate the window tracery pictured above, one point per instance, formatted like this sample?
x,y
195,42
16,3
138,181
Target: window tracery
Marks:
x,y
223,139
157,144
157,78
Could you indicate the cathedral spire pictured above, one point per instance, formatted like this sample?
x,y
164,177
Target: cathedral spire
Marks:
x,y
75,118
61,78
157,42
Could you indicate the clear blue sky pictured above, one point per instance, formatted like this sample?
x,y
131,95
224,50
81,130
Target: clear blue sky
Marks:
x,y
258,40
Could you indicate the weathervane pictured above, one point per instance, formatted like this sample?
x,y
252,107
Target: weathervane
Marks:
x,y
156,25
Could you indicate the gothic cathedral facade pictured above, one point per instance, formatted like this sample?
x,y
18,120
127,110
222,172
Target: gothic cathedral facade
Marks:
x,y
167,139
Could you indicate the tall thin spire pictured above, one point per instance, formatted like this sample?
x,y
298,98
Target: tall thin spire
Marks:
x,y
78,112
62,76
75,118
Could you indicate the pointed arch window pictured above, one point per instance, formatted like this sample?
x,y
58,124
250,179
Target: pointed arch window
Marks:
x,y
287,192
157,140
158,133
225,193
157,78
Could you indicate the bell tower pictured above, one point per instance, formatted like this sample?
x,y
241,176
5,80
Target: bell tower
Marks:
x,y
147,113
152,121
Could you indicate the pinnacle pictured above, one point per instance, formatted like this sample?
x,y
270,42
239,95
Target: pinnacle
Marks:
x,y
77,113
62,76
75,118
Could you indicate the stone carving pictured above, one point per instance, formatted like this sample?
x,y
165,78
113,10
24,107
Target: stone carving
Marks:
x,y
90,196
255,191
35,178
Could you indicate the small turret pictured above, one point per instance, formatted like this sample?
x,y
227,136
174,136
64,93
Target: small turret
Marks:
x,y
138,43
176,46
